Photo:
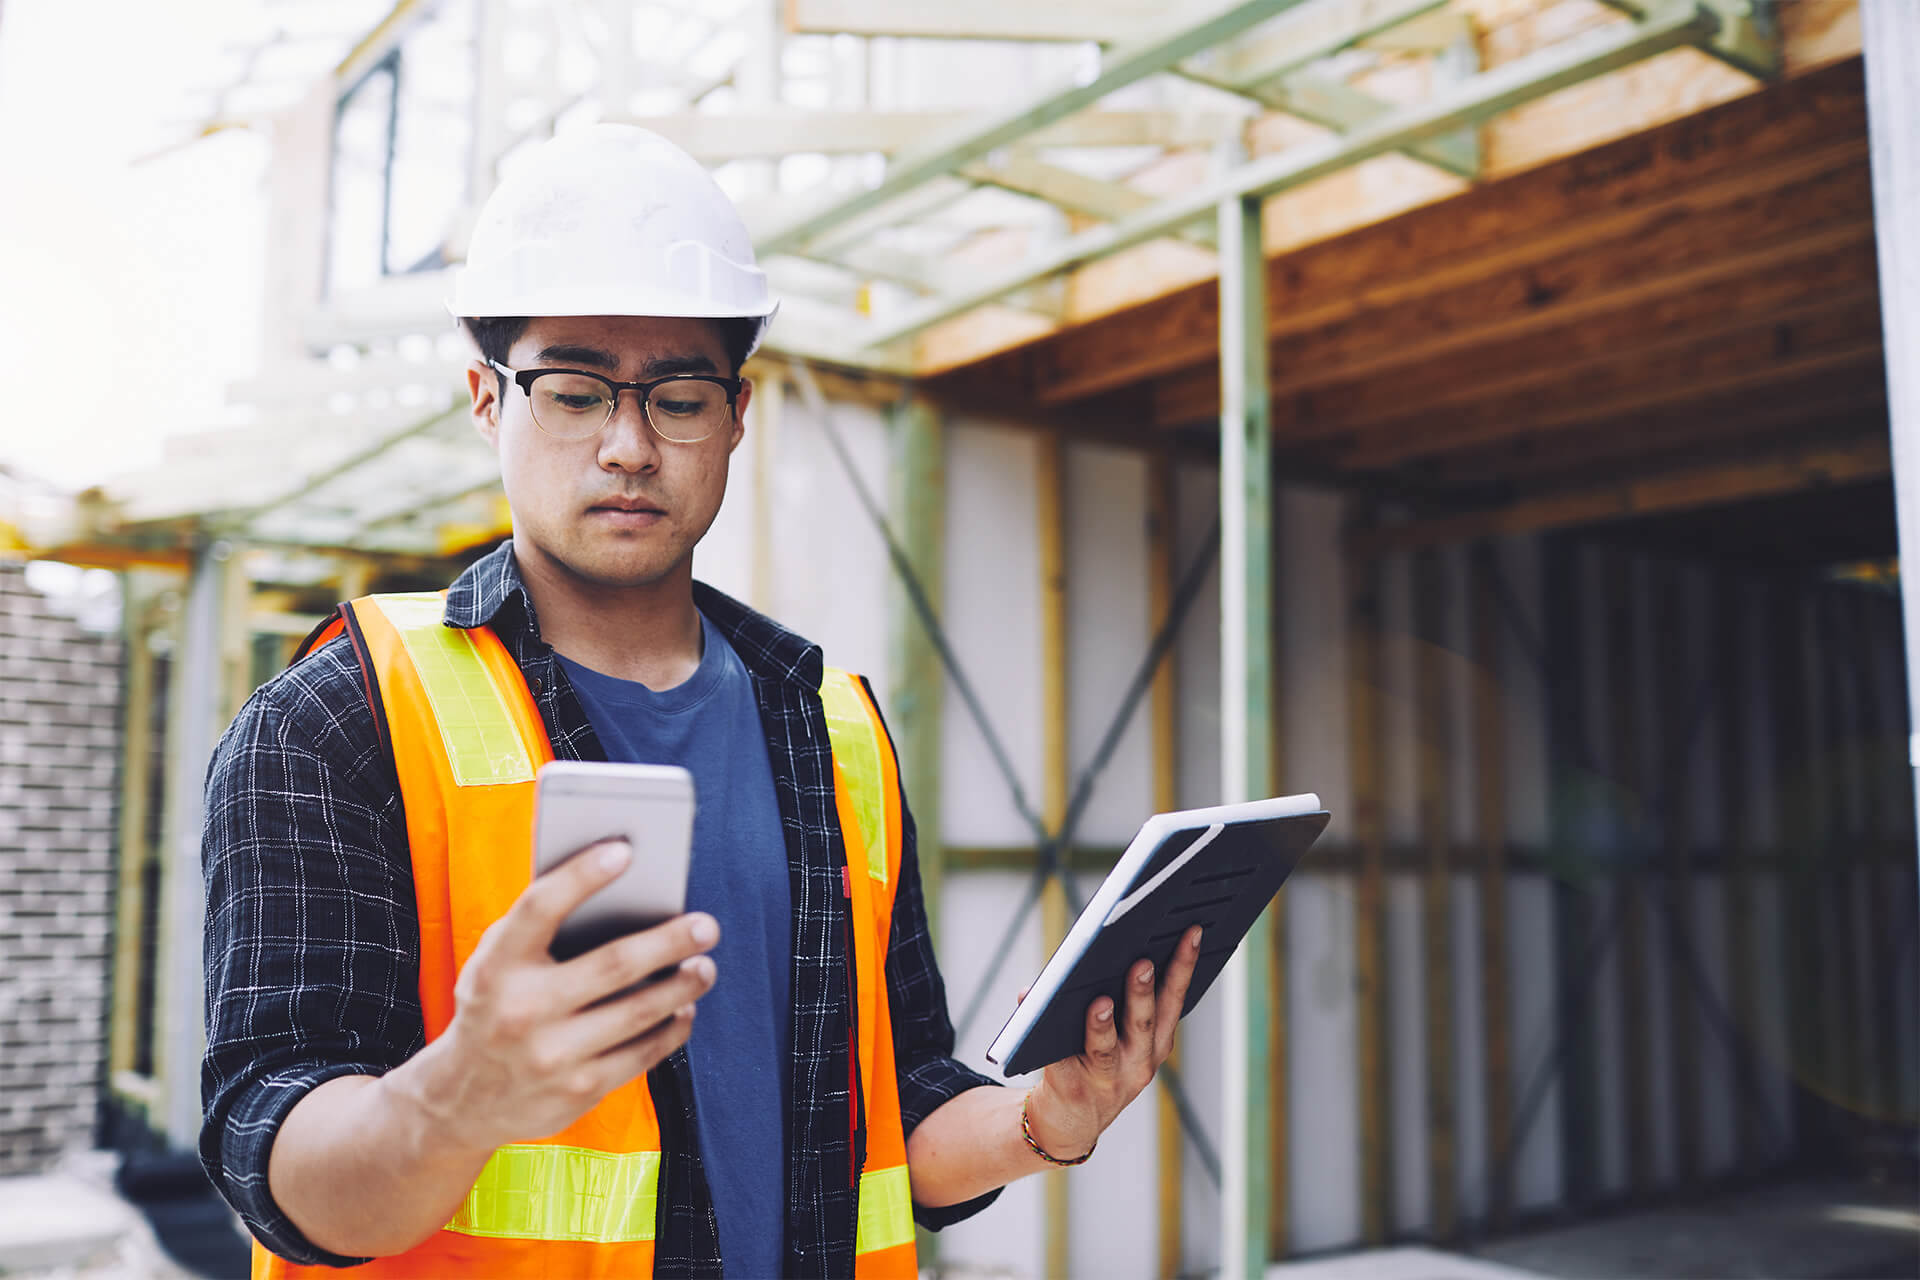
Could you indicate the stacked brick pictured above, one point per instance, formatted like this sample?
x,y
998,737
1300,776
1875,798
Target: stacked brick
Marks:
x,y
60,696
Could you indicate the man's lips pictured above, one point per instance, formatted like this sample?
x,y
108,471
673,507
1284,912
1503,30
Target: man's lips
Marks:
x,y
628,506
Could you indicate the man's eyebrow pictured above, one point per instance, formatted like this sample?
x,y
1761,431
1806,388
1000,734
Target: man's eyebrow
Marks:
x,y
661,366
579,355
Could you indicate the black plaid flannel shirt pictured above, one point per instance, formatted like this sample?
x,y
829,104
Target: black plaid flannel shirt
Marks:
x,y
312,942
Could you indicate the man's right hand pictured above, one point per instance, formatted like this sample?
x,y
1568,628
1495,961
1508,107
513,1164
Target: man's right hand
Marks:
x,y
369,1166
535,1043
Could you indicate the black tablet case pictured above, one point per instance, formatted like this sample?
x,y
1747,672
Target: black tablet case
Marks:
x,y
1223,889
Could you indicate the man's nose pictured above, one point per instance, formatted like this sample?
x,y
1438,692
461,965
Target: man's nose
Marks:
x,y
628,443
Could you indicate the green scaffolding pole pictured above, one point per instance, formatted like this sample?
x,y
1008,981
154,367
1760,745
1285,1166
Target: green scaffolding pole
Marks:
x,y
1246,701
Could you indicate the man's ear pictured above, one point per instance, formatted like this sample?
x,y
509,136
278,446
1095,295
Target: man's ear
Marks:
x,y
740,414
483,389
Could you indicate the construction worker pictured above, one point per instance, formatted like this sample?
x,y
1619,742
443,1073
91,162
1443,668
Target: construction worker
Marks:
x,y
398,1073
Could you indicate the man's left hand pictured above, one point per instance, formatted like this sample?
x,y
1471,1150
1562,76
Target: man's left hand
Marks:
x,y
1078,1097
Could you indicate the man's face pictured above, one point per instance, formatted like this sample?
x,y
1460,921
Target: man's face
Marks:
x,y
621,508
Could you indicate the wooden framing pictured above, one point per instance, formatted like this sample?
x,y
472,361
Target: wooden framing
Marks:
x,y
1798,830
1732,651
1433,737
1849,988
1490,811
1365,676
1685,489
1567,648
1880,1043
1164,716
133,848
1675,686
1630,779
1051,487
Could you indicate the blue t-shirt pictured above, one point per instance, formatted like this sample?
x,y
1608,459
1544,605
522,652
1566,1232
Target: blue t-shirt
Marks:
x,y
710,726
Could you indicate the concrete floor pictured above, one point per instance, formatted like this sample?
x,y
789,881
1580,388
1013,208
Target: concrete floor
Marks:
x,y
1813,1227
1801,1228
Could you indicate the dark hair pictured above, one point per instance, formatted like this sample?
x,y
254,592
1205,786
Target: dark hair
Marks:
x,y
495,336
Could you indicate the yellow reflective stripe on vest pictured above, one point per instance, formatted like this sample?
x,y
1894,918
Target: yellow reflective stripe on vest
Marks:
x,y
563,1193
886,1210
482,743
855,740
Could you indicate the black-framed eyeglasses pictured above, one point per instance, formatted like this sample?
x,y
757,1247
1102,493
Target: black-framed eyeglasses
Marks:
x,y
573,404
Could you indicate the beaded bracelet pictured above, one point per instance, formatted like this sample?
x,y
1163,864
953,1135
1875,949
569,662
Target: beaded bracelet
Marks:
x,y
1026,1131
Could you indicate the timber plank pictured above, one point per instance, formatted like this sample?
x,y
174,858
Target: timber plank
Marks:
x,y
1735,304
1861,357
1814,218
1540,212
1830,406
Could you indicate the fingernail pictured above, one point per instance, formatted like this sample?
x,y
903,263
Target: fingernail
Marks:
x,y
1103,1014
1193,939
703,968
706,930
1146,976
684,1011
614,855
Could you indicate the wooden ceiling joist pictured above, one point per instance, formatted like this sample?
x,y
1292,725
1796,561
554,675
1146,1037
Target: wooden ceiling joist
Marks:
x,y
1686,489
1622,190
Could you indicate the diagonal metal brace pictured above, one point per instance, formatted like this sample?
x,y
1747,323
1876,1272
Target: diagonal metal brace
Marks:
x,y
1748,37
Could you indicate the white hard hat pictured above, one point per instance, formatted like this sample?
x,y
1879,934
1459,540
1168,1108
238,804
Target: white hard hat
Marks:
x,y
611,220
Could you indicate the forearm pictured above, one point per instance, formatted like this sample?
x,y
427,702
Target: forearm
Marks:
x,y
360,1168
970,1145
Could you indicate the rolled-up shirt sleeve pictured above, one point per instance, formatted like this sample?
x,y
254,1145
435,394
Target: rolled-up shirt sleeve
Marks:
x,y
311,942
928,1073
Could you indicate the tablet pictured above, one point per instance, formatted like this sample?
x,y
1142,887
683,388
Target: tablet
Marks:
x,y
1217,868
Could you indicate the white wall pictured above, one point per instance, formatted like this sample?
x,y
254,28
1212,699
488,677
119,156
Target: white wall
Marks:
x,y
830,582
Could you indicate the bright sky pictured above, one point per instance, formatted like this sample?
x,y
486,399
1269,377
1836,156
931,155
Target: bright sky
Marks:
x,y
129,295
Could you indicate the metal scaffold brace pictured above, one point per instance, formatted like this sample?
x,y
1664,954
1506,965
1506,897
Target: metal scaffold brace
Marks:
x,y
1051,846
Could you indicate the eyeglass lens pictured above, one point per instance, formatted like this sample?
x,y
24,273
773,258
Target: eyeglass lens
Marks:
x,y
573,406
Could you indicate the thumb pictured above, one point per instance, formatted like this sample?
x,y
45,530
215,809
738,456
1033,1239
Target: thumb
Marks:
x,y
529,926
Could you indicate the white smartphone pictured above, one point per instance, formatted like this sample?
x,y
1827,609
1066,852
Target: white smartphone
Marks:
x,y
579,803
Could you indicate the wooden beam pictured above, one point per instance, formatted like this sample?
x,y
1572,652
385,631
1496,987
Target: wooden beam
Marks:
x,y
1880,1048
1733,650
134,850
1796,827
1433,738
1617,191
1849,988
1658,382
1051,488
1163,709
1602,290
1568,647
1678,490
1490,813
1828,333
1367,768
1677,694
1833,406
1630,779
1809,295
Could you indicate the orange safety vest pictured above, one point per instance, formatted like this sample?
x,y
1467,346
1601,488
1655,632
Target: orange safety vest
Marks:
x,y
466,739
